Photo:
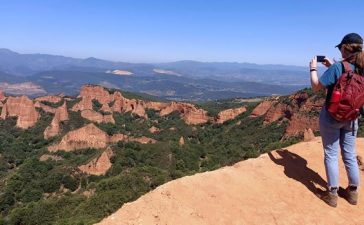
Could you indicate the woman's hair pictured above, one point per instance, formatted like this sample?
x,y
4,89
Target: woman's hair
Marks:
x,y
356,56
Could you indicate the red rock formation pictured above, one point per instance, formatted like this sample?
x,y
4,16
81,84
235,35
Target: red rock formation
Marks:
x,y
143,140
181,141
91,136
53,129
190,114
61,114
273,109
262,108
97,117
297,110
127,105
153,130
96,92
84,104
229,114
300,122
88,136
312,104
52,99
45,108
275,113
305,113
308,135
109,119
4,112
119,137
195,116
300,110
2,96
100,165
23,108
106,108
133,106
117,104
175,106
138,109
156,105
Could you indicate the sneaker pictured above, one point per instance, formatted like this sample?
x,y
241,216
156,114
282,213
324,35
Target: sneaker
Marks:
x,y
350,195
328,197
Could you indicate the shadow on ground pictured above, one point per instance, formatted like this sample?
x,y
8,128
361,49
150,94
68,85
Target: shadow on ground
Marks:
x,y
295,167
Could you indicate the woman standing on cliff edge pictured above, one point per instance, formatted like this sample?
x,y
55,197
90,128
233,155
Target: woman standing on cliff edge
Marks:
x,y
339,135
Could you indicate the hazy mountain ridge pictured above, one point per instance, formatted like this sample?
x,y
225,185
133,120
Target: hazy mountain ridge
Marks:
x,y
182,80
164,86
28,64
232,71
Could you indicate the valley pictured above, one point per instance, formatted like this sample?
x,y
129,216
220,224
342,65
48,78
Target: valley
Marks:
x,y
107,147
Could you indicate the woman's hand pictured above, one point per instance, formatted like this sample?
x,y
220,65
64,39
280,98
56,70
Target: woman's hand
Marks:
x,y
327,62
313,63
315,83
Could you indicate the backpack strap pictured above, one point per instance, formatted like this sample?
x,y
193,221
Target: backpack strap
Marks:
x,y
346,66
331,88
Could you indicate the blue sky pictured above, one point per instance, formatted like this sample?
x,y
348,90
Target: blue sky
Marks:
x,y
263,32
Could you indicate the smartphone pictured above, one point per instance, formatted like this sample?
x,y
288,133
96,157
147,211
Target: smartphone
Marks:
x,y
320,58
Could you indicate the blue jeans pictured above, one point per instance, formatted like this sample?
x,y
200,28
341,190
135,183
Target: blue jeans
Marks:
x,y
339,135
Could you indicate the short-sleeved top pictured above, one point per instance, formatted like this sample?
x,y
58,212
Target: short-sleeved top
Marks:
x,y
332,74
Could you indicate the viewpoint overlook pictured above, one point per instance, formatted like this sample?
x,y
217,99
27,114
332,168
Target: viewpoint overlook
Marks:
x,y
280,187
179,112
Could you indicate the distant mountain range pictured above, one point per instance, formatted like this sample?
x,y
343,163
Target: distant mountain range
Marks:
x,y
182,80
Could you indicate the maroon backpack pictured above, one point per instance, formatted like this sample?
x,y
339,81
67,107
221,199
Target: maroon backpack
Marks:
x,y
347,96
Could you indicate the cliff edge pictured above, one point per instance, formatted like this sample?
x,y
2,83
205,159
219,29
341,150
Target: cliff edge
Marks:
x,y
276,188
